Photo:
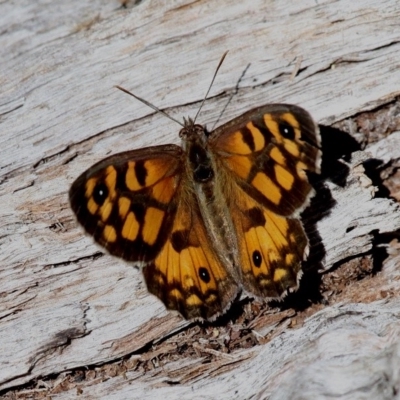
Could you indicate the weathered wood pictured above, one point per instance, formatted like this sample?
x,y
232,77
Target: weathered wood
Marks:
x,y
354,356
64,305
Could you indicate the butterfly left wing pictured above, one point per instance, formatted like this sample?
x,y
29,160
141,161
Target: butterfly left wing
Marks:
x,y
262,158
139,206
127,202
188,275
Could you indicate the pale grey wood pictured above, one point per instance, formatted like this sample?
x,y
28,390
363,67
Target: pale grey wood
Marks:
x,y
354,356
348,231
59,112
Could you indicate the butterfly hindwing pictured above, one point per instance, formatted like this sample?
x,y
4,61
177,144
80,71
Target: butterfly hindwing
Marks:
x,y
187,274
271,247
268,150
127,202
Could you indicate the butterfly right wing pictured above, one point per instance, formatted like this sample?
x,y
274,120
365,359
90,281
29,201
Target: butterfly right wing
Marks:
x,y
271,247
268,151
263,156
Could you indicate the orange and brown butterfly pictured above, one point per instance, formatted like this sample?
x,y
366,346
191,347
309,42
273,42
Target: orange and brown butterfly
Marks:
x,y
213,218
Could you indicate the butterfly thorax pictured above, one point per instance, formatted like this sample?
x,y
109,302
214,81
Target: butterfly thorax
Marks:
x,y
201,168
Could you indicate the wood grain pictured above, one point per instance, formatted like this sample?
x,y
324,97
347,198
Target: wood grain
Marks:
x,y
65,305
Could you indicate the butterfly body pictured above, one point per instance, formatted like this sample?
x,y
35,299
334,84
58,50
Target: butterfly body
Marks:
x,y
207,184
212,218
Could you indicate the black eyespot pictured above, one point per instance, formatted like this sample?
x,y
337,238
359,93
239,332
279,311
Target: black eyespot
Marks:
x,y
286,130
257,258
100,193
204,275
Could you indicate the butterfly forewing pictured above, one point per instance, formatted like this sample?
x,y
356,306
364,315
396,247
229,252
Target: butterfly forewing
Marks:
x,y
268,150
127,202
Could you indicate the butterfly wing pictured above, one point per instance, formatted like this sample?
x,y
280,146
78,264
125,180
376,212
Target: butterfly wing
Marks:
x,y
271,247
268,150
187,275
139,206
127,202
263,157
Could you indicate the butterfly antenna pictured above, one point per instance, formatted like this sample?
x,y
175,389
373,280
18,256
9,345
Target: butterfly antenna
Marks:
x,y
149,105
234,93
209,88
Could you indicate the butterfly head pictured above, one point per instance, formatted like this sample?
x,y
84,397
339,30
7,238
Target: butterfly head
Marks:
x,y
192,132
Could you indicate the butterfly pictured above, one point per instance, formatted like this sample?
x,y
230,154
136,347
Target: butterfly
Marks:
x,y
213,218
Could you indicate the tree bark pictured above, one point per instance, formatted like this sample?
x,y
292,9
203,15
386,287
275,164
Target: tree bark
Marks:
x,y
67,306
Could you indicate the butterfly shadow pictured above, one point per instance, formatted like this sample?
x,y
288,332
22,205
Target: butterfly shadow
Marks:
x,y
337,146
373,169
